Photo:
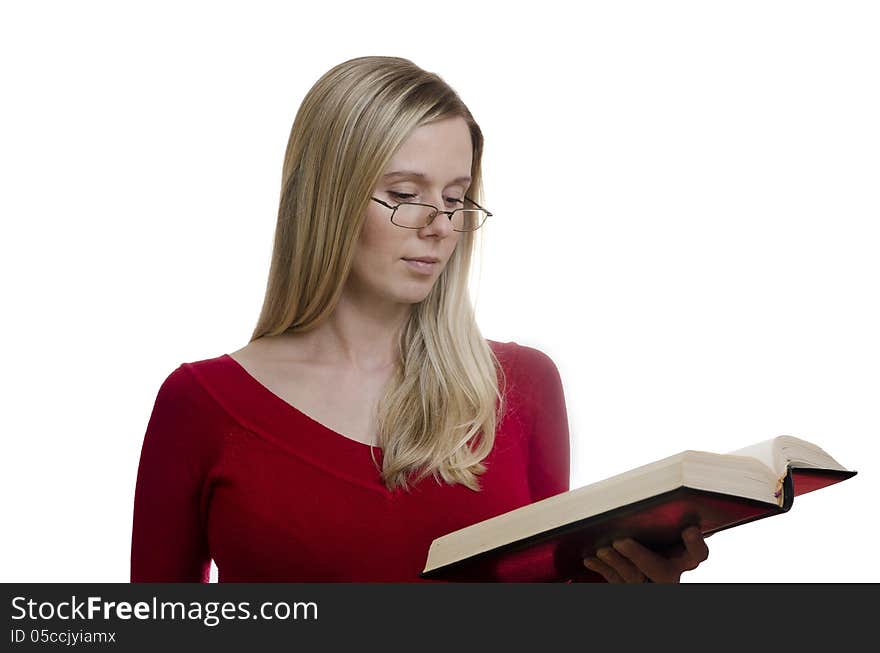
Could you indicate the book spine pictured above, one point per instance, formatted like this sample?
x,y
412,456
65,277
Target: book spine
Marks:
x,y
785,490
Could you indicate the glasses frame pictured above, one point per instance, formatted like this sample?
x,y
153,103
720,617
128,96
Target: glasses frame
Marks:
x,y
436,213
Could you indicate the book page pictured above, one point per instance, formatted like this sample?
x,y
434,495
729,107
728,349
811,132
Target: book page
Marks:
x,y
777,453
767,452
800,453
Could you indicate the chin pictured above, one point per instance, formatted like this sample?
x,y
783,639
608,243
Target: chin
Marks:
x,y
413,298
417,299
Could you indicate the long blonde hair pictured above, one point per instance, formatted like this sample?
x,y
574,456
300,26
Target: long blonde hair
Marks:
x,y
438,412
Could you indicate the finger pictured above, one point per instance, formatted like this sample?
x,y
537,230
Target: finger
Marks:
x,y
654,566
594,564
621,564
697,551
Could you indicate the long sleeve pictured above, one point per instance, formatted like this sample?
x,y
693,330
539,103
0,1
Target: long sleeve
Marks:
x,y
168,541
549,447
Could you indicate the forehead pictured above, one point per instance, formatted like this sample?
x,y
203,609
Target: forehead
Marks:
x,y
440,152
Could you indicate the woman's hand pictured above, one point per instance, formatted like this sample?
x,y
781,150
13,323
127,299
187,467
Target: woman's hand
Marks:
x,y
627,561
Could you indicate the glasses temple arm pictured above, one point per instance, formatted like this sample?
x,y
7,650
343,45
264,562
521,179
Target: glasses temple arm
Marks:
x,y
477,205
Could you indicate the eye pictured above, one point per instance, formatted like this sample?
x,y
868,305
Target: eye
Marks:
x,y
405,197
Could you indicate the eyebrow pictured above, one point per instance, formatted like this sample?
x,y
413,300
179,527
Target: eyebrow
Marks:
x,y
418,175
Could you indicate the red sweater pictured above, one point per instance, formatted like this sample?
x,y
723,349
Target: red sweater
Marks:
x,y
231,472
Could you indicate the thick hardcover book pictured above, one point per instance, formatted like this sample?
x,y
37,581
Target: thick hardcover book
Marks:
x,y
652,504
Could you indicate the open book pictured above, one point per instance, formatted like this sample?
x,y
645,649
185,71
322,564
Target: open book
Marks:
x,y
652,504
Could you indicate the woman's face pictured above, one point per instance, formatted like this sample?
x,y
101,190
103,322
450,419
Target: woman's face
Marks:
x,y
442,153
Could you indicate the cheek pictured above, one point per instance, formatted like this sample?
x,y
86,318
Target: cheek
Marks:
x,y
454,239
379,238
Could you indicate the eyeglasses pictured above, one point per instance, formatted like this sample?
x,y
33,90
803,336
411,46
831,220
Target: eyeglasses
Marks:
x,y
413,215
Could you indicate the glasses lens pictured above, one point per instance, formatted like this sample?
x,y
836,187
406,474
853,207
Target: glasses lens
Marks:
x,y
468,219
416,216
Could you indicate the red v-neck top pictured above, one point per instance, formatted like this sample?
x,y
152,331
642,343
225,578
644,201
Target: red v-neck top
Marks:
x,y
229,471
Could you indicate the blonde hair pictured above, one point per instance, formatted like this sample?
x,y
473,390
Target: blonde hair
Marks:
x,y
438,412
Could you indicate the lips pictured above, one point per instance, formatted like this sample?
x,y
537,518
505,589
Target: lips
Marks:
x,y
423,259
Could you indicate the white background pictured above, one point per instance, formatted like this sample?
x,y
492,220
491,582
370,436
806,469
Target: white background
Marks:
x,y
687,223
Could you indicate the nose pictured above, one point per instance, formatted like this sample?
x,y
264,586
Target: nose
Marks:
x,y
441,223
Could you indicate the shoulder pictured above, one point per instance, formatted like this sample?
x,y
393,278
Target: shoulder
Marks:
x,y
186,390
176,387
523,359
185,432
531,377
187,418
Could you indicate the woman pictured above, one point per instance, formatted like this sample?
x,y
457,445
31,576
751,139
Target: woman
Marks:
x,y
367,415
